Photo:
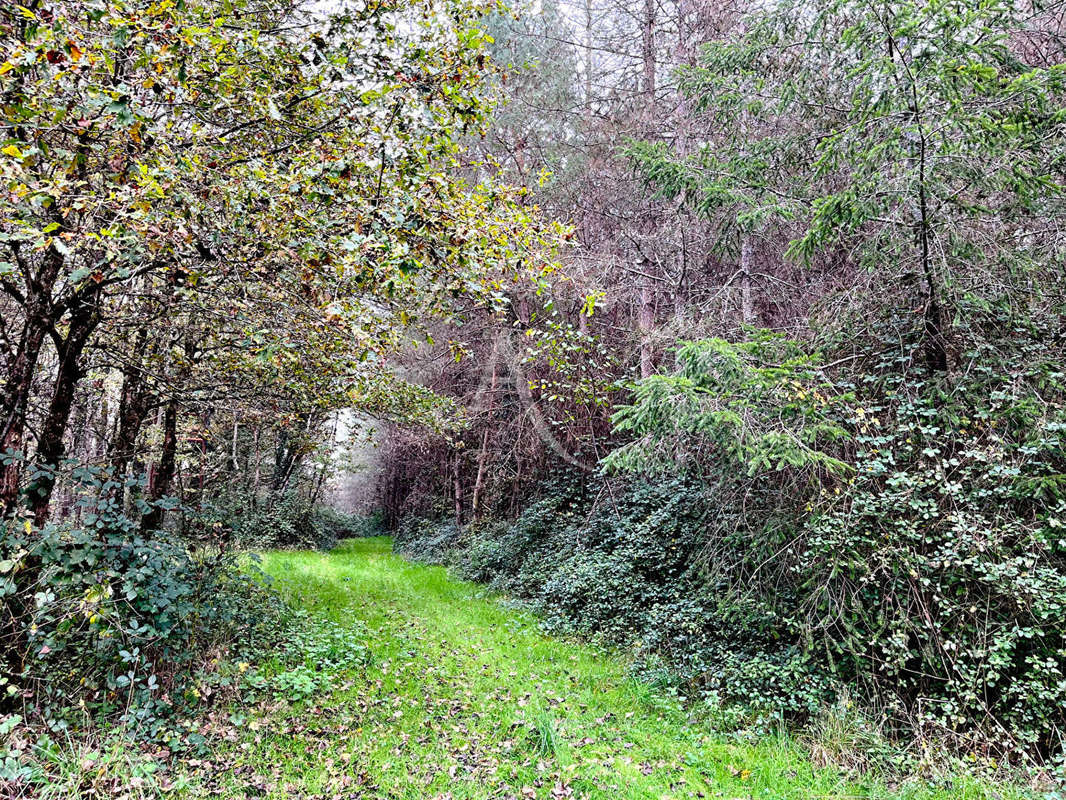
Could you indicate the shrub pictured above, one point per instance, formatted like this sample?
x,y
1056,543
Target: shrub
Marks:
x,y
425,540
917,555
101,617
938,580
287,521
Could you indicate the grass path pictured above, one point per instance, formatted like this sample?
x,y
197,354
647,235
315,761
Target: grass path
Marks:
x,y
465,698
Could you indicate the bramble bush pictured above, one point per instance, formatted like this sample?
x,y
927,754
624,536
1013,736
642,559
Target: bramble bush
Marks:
x,y
941,580
427,540
104,621
289,521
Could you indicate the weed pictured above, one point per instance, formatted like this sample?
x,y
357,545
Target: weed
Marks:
x,y
546,740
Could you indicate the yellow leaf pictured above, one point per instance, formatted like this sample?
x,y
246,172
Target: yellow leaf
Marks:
x,y
12,150
6,67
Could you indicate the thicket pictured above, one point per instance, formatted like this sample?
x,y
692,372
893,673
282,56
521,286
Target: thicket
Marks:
x,y
109,621
290,520
801,534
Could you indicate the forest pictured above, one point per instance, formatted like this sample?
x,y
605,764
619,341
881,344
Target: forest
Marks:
x,y
461,399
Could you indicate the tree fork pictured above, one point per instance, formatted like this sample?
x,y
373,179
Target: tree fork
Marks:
x,y
85,317
39,321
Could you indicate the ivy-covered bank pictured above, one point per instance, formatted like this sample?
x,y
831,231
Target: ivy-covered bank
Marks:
x,y
793,542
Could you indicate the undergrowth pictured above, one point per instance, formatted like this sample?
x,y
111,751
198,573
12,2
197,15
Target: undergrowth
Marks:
x,y
465,698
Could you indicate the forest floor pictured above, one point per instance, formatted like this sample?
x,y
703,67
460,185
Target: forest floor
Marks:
x,y
463,697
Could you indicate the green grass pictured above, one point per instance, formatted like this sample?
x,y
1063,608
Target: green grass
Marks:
x,y
466,698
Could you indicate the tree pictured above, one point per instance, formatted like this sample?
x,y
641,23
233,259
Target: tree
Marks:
x,y
921,141
284,175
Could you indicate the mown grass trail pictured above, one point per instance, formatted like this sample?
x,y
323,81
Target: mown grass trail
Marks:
x,y
465,698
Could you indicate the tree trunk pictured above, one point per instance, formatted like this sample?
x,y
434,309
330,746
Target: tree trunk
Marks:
x,y
320,478
646,323
284,455
39,312
287,459
648,52
457,490
479,481
747,306
483,453
235,463
85,316
168,459
589,63
16,403
134,405
256,472
935,346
